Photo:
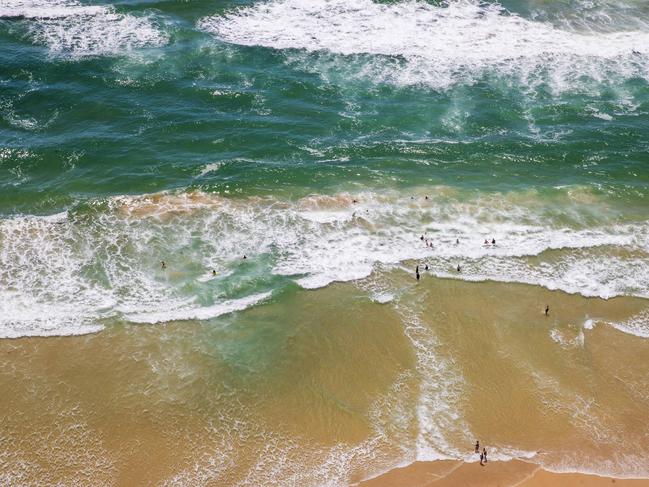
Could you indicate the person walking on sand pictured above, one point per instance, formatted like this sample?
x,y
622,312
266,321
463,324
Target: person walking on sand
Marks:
x,y
547,310
477,446
484,454
482,459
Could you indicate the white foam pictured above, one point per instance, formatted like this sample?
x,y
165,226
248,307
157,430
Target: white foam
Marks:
x,y
564,338
75,30
437,45
637,325
212,167
202,313
441,385
79,271
50,9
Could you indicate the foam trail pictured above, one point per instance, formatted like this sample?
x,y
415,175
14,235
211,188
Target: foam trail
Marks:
x,y
436,45
204,313
637,325
72,29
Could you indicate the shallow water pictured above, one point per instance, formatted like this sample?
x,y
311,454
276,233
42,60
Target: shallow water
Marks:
x,y
335,145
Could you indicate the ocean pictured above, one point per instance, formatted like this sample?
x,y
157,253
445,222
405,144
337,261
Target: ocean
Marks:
x,y
214,210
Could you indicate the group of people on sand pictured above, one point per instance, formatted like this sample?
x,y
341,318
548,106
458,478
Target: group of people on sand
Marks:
x,y
483,453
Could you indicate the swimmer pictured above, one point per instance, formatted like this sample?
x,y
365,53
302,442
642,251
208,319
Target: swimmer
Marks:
x,y
163,264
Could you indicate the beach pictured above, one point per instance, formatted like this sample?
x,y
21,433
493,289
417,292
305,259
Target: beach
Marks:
x,y
513,473
334,393
249,243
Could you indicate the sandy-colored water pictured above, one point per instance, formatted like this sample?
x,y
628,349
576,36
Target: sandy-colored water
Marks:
x,y
329,387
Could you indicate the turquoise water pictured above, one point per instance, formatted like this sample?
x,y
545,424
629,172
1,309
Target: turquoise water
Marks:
x,y
139,131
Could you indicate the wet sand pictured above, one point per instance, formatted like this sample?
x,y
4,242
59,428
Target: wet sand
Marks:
x,y
514,473
328,385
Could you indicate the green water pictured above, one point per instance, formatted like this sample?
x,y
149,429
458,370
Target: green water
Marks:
x,y
526,120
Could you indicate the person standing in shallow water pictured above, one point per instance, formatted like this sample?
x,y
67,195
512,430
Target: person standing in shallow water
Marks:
x,y
417,272
477,446
484,454
482,458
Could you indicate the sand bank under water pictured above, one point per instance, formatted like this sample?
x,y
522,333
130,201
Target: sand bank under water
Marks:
x,y
514,473
333,386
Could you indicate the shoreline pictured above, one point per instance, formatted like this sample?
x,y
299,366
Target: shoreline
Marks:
x,y
510,473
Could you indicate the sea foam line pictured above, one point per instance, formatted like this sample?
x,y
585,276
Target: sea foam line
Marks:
x,y
438,45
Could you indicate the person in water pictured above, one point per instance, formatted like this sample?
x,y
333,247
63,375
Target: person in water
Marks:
x,y
213,273
477,446
163,264
486,242
484,454
482,459
459,269
493,241
426,267
245,257
547,310
417,272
